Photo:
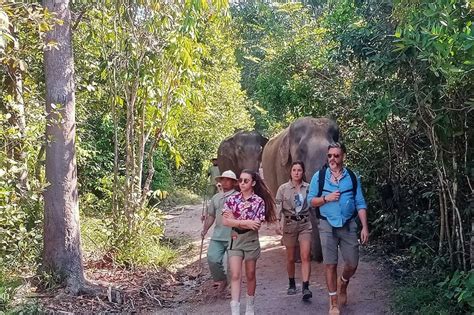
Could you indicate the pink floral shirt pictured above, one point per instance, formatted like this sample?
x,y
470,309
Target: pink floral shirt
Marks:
x,y
251,209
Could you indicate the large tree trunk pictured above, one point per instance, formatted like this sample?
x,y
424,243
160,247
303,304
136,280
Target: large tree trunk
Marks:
x,y
62,243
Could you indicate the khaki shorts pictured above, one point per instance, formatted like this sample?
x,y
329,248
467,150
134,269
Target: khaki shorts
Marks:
x,y
294,231
344,237
245,245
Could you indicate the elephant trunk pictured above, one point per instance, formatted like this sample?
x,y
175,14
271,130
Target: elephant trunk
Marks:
x,y
316,157
250,164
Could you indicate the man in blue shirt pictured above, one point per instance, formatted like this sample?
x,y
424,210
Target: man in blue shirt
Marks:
x,y
339,207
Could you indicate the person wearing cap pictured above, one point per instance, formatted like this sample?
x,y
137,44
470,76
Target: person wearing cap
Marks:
x,y
221,235
212,173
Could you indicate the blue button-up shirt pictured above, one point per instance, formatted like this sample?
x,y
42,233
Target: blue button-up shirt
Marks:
x,y
338,212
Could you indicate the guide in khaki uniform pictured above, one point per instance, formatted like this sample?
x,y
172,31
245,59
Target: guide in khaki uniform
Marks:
x,y
295,225
221,235
213,172
245,212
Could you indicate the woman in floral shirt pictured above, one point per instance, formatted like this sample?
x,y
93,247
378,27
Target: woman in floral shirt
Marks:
x,y
245,212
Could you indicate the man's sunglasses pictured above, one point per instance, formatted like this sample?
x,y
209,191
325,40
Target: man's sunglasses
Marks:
x,y
336,156
244,180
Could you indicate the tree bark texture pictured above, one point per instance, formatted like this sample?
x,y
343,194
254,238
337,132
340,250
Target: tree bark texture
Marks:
x,y
62,244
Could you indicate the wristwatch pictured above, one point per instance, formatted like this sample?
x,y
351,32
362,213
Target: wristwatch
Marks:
x,y
324,199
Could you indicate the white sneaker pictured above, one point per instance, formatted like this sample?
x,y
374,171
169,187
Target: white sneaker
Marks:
x,y
235,307
249,310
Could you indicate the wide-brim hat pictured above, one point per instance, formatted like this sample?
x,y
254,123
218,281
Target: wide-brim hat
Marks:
x,y
227,174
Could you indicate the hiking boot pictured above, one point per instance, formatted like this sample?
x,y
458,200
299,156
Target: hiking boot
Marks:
x,y
342,294
235,307
291,291
307,294
249,310
333,307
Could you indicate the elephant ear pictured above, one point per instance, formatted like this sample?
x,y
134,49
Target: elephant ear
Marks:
x,y
284,149
263,141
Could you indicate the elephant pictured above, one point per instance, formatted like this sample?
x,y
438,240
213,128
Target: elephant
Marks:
x,y
243,150
307,140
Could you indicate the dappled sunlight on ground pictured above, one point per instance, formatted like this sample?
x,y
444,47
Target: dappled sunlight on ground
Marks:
x,y
367,291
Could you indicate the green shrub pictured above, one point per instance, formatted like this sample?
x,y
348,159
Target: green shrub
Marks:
x,y
459,289
180,197
142,246
20,224
422,293
7,288
162,178
94,236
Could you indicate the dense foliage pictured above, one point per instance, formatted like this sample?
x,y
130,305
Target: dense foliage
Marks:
x,y
157,88
398,78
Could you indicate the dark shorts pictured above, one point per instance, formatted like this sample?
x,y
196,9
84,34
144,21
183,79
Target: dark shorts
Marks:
x,y
344,238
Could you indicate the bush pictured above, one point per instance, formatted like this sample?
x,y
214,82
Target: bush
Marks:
x,y
180,197
141,247
423,294
20,223
459,289
7,288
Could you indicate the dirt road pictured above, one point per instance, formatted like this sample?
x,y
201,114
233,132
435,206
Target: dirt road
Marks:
x,y
368,291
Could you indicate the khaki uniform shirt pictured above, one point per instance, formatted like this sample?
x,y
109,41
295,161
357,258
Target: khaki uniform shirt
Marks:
x,y
213,173
221,232
285,199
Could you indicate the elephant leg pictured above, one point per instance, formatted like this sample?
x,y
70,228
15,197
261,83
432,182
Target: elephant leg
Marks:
x,y
316,251
297,252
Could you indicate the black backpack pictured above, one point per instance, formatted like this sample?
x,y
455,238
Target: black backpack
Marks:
x,y
321,180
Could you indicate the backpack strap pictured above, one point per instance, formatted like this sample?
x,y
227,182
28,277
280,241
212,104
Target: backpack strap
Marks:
x,y
354,189
354,183
321,180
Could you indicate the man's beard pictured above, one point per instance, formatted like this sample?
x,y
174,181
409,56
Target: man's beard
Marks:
x,y
335,165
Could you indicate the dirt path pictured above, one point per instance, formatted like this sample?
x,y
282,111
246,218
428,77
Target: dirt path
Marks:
x,y
368,292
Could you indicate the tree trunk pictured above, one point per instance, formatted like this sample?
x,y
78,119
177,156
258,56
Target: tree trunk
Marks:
x,y
62,242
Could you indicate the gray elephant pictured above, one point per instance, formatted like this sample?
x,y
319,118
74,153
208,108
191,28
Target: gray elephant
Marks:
x,y
307,140
243,150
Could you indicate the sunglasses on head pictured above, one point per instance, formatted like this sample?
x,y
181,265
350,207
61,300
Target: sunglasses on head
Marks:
x,y
335,155
244,180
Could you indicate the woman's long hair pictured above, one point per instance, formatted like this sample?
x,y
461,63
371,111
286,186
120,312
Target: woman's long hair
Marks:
x,y
300,163
262,190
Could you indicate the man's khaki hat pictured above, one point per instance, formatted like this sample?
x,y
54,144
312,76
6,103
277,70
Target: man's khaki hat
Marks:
x,y
227,174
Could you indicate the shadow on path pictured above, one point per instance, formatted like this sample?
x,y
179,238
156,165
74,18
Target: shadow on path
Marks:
x,y
367,294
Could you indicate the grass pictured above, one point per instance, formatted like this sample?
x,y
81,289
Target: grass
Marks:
x,y
94,236
9,302
419,299
423,295
180,197
148,248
